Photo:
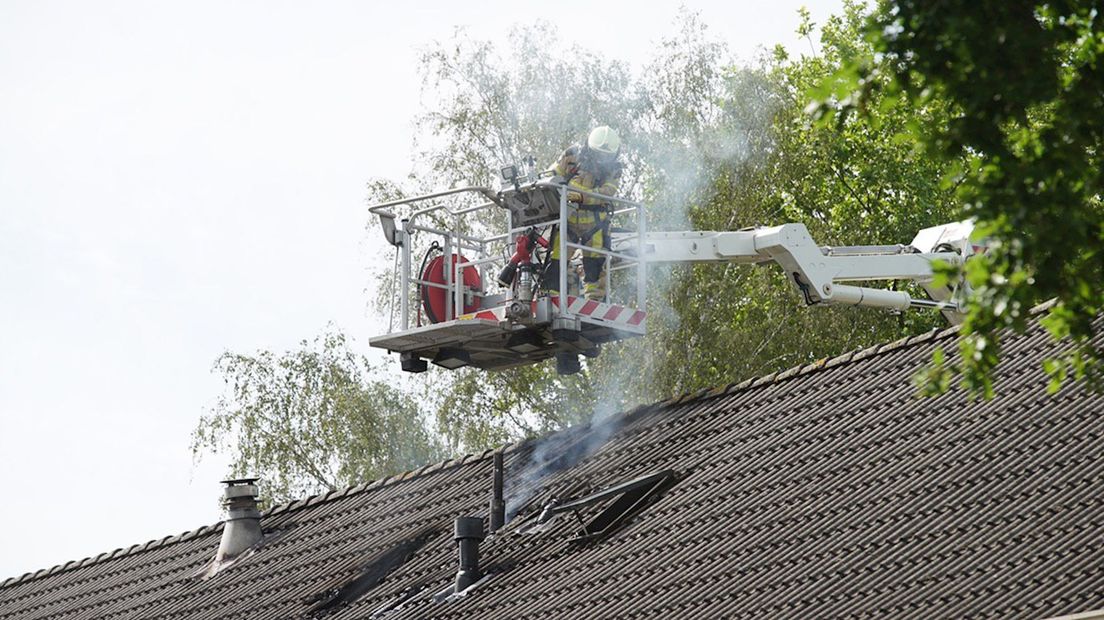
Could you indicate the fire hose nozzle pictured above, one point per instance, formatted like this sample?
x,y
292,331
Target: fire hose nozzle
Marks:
x,y
523,253
506,276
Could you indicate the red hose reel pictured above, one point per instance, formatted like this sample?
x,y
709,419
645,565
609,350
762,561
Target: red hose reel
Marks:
x,y
433,297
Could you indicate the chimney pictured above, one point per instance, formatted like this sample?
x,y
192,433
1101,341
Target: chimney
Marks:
x,y
469,531
498,505
242,528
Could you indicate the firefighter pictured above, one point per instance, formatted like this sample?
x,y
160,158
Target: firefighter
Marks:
x,y
592,167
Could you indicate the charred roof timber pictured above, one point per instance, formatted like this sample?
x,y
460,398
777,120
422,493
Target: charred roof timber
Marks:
x,y
242,528
370,575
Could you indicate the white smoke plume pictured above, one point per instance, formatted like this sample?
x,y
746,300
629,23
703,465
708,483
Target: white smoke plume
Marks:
x,y
694,118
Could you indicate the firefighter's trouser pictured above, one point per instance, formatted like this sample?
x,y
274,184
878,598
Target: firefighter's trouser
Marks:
x,y
586,227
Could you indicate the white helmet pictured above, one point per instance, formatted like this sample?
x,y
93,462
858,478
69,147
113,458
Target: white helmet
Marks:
x,y
605,142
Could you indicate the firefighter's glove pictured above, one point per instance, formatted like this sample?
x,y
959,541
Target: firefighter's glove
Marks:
x,y
575,197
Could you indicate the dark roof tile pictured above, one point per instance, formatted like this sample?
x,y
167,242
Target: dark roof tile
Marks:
x,y
839,360
828,490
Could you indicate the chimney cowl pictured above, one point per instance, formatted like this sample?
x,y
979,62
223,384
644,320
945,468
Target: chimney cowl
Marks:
x,y
467,533
242,528
236,489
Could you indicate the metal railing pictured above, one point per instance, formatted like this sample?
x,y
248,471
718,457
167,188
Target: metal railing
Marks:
x,y
457,233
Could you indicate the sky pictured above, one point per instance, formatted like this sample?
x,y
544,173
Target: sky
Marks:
x,y
179,179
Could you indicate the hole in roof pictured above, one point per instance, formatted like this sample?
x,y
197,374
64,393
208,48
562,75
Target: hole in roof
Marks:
x,y
371,574
602,512
551,455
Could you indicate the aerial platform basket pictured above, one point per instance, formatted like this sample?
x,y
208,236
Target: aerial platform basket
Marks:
x,y
463,236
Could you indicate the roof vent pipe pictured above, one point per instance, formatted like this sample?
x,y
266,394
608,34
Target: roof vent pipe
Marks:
x,y
498,504
242,528
469,531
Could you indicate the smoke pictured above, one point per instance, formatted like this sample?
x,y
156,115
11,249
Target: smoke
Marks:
x,y
681,154
552,454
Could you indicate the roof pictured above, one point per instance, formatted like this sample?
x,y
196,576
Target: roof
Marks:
x,y
828,490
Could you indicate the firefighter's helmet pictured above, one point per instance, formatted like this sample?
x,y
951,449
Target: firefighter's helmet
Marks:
x,y
604,142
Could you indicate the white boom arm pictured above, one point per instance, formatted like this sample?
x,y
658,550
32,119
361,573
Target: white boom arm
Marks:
x,y
817,271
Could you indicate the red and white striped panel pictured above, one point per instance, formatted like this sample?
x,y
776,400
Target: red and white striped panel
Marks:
x,y
606,313
490,314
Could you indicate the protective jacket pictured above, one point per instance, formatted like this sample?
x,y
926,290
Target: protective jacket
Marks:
x,y
587,222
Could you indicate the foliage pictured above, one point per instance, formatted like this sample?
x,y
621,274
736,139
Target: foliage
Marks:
x,y
311,420
483,409
493,106
1026,82
851,182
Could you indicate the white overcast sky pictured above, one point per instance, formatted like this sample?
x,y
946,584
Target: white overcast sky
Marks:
x,y
182,178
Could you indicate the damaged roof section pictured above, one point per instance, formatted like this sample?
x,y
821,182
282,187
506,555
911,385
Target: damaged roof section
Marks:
x,y
603,510
825,491
370,575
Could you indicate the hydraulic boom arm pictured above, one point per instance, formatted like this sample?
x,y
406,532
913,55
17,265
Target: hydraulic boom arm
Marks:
x,y
817,271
